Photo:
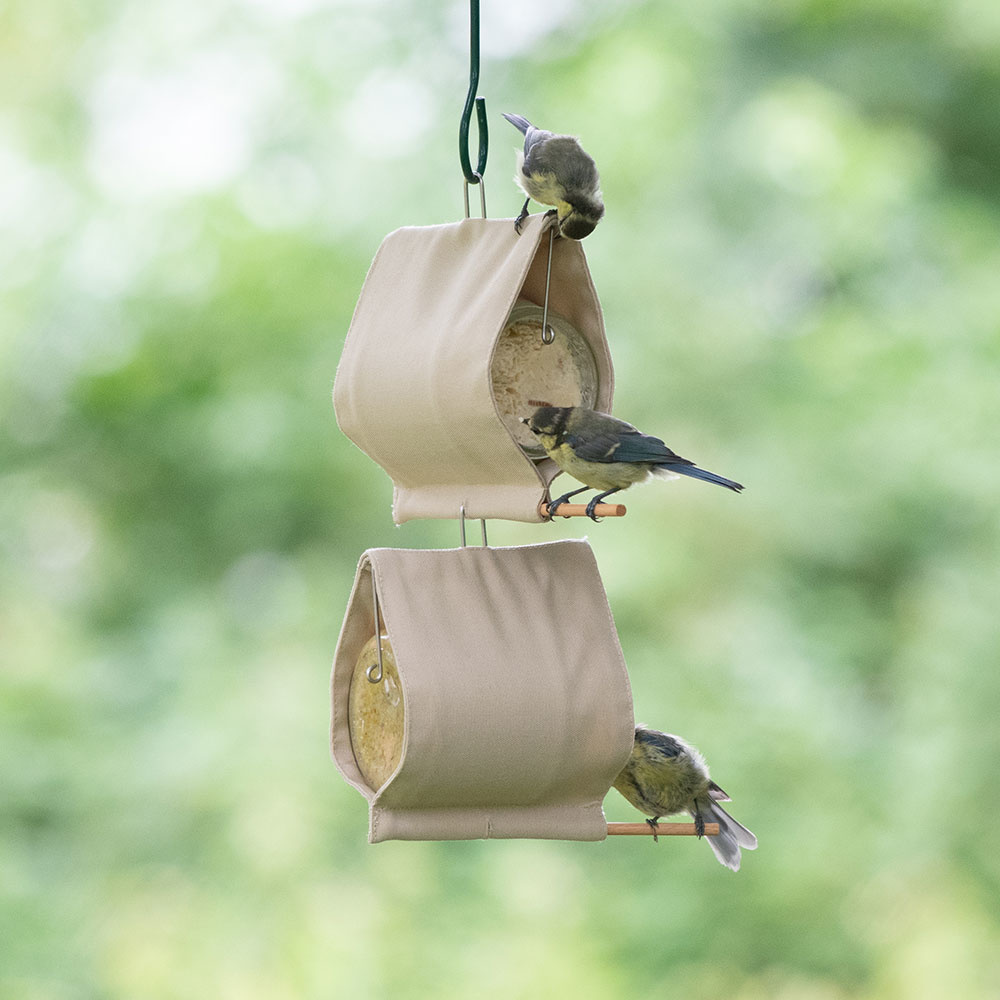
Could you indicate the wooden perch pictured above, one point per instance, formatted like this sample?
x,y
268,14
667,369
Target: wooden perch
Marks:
x,y
662,830
580,510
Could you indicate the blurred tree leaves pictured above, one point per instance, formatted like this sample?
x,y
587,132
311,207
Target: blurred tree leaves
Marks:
x,y
798,272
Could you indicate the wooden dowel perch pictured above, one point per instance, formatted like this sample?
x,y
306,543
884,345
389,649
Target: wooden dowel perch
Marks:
x,y
662,830
580,510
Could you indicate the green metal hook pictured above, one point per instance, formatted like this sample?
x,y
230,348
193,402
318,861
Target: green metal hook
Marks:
x,y
473,176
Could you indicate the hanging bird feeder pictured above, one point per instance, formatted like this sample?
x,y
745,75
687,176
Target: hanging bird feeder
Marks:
x,y
476,692
475,714
439,363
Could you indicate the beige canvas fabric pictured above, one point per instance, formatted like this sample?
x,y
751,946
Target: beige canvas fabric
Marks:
x,y
518,709
413,385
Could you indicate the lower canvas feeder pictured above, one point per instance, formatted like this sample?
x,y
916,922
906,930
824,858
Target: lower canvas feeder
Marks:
x,y
502,706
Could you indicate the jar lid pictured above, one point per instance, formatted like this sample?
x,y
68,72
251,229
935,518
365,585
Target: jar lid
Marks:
x,y
526,373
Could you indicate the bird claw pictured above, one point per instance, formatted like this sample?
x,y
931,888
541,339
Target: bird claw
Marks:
x,y
699,825
519,221
654,826
590,510
552,505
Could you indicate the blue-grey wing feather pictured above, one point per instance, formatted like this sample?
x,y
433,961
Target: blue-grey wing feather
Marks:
x,y
662,742
600,447
535,144
626,445
562,155
638,447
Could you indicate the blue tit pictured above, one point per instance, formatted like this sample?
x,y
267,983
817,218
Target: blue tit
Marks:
x,y
555,170
606,453
664,775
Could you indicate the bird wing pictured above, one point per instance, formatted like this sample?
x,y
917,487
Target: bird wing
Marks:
x,y
638,447
624,445
562,155
535,160
594,447
663,742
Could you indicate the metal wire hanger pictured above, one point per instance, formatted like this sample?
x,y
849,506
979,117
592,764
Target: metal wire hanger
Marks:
x,y
471,100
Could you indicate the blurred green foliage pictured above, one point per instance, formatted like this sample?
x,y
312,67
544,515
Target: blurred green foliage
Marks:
x,y
799,272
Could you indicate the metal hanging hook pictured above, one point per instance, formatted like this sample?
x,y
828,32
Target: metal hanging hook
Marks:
x,y
374,673
548,334
473,176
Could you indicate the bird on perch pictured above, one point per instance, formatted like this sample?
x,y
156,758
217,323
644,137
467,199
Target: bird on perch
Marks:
x,y
607,454
664,775
555,170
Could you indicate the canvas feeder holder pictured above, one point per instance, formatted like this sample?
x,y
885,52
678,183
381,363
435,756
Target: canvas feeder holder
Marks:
x,y
506,699
442,360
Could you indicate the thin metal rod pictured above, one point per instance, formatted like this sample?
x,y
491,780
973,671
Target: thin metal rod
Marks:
x,y
369,673
662,830
473,176
461,527
482,196
548,334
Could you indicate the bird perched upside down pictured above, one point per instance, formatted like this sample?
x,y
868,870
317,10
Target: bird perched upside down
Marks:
x,y
664,775
555,170
606,453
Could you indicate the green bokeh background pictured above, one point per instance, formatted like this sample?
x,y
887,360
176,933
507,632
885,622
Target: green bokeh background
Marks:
x,y
800,273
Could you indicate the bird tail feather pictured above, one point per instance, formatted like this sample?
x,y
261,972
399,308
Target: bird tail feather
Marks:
x,y
709,477
519,122
731,837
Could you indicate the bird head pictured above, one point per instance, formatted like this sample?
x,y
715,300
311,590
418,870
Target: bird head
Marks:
x,y
580,218
547,420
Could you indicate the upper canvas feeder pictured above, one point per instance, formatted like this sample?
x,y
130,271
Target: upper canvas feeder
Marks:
x,y
445,355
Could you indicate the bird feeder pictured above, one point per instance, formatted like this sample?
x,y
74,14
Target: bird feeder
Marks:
x,y
481,693
460,330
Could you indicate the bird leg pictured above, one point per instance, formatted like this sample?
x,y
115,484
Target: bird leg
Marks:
x,y
653,826
520,219
699,824
553,504
593,503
